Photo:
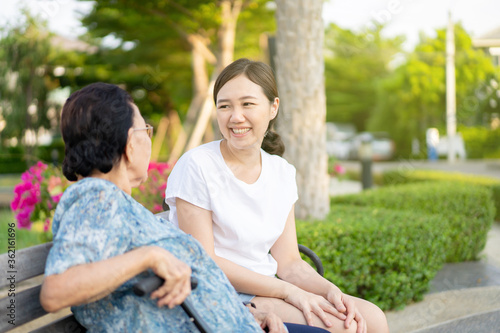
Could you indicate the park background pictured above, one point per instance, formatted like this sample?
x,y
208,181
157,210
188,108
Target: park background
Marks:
x,y
363,67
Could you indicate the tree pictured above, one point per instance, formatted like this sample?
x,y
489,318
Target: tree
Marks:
x,y
300,75
25,80
354,65
413,98
187,41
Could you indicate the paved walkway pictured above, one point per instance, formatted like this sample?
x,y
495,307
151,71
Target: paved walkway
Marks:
x,y
467,292
463,297
490,168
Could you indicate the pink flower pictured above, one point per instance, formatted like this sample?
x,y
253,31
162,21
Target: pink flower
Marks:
x,y
339,169
23,217
152,191
159,166
47,225
53,183
37,182
56,198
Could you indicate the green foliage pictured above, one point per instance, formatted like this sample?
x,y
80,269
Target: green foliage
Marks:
x,y
153,56
481,142
24,238
51,153
25,67
387,257
12,160
413,176
468,208
412,99
386,245
354,64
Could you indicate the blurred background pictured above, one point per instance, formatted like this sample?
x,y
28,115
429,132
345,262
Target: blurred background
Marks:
x,y
384,70
387,99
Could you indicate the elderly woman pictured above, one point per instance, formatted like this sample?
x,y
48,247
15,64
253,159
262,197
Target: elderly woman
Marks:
x,y
104,239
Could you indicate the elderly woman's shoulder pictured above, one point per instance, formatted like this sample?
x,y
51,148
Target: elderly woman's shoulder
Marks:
x,y
88,187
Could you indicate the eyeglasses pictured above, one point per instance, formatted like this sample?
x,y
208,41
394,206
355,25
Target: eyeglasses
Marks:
x,y
148,128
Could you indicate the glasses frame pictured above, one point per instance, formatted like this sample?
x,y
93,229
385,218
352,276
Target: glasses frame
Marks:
x,y
149,130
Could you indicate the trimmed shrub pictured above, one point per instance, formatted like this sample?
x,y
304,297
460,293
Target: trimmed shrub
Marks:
x,y
403,177
52,153
468,208
12,160
481,142
385,256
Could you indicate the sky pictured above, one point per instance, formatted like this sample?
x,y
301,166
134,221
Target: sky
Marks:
x,y
410,17
402,17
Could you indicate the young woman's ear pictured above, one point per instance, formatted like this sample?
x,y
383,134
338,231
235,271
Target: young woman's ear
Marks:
x,y
274,107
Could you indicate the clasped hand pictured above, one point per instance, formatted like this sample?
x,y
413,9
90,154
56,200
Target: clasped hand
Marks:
x,y
336,303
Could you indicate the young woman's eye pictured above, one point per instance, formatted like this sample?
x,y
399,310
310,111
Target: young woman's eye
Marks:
x,y
248,104
222,106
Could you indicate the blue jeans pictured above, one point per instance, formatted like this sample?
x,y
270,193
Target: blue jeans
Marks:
x,y
296,328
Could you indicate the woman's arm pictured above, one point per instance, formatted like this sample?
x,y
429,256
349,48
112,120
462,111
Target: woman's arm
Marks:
x,y
296,271
291,267
197,222
89,282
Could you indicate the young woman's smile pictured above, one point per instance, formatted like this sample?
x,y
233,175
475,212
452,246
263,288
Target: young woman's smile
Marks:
x,y
244,112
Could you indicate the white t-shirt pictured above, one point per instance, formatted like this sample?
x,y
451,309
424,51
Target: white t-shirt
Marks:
x,y
247,218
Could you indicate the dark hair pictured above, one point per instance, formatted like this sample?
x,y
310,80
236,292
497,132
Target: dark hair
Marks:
x,y
94,123
262,75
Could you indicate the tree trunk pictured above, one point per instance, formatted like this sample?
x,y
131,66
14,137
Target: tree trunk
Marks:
x,y
300,76
200,55
28,146
230,11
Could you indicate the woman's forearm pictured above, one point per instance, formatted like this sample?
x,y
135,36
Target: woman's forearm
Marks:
x,y
247,281
89,282
302,275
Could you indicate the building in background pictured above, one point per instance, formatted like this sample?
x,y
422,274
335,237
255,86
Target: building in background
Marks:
x,y
490,43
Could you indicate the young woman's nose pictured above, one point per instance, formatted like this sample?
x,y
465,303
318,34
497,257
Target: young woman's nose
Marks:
x,y
237,115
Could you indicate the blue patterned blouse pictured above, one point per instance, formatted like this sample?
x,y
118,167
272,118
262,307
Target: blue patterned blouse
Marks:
x,y
95,220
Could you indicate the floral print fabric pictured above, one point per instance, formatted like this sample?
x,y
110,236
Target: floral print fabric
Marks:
x,y
95,220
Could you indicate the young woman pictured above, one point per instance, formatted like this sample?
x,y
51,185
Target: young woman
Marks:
x,y
236,196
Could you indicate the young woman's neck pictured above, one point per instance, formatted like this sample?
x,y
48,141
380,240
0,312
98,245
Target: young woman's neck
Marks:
x,y
248,157
246,164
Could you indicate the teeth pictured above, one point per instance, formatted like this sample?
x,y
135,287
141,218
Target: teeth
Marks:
x,y
240,130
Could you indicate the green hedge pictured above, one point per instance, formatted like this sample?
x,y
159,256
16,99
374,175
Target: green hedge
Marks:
x,y
386,245
46,153
12,160
481,142
385,256
467,207
413,176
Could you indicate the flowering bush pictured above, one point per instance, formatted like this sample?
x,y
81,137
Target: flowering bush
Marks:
x,y
152,192
41,188
36,197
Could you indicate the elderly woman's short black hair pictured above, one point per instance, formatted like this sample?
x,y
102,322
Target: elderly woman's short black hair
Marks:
x,y
94,123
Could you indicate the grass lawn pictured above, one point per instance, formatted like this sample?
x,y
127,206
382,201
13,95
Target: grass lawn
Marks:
x,y
10,180
24,238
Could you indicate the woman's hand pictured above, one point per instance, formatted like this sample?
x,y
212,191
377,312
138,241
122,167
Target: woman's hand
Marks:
x,y
269,320
311,303
345,304
177,276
